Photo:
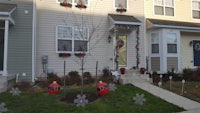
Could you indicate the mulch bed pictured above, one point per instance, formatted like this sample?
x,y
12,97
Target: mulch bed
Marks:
x,y
69,98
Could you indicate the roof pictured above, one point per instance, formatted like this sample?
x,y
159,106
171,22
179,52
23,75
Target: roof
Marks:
x,y
123,20
7,7
6,10
174,24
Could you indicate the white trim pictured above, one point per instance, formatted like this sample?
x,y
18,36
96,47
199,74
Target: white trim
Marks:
x,y
176,27
8,18
126,23
33,40
4,13
5,73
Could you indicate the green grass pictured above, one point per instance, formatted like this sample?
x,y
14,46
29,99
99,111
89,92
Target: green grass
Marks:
x,y
120,101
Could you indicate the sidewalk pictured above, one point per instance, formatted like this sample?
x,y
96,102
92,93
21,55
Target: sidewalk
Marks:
x,y
141,81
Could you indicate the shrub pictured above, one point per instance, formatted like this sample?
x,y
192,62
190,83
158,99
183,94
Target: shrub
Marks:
x,y
74,77
87,78
53,77
191,75
106,71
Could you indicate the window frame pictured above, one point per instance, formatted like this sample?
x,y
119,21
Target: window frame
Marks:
x,y
171,43
164,6
74,3
120,7
72,39
193,9
153,43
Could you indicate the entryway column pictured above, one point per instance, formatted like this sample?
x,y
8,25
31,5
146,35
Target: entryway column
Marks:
x,y
5,61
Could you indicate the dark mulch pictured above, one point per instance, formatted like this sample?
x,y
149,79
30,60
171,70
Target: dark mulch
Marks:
x,y
69,98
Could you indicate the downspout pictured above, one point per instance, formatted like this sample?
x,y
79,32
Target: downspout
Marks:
x,y
33,40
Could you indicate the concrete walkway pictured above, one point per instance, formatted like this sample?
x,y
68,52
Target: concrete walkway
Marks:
x,y
143,82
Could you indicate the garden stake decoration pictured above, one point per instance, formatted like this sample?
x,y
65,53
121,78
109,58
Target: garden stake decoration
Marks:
x,y
15,91
80,100
182,88
170,82
139,99
159,84
112,87
3,108
161,78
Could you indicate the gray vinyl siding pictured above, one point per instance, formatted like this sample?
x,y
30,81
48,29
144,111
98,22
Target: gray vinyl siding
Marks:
x,y
172,63
155,63
20,40
100,49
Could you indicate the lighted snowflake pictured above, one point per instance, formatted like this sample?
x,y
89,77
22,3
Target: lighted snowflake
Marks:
x,y
112,87
116,75
3,108
15,91
139,99
81,100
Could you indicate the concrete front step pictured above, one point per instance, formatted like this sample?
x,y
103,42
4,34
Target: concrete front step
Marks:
x,y
3,83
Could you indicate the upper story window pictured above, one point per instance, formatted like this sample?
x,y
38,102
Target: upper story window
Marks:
x,y
74,1
164,7
121,4
196,9
171,43
154,43
71,39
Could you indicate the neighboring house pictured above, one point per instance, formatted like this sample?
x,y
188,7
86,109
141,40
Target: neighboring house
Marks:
x,y
172,26
94,30
16,40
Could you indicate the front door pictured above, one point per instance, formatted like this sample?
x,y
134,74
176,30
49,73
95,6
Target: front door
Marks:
x,y
1,49
122,59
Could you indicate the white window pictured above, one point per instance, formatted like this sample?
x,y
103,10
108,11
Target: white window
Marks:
x,y
74,1
154,43
164,7
71,39
121,4
196,9
171,43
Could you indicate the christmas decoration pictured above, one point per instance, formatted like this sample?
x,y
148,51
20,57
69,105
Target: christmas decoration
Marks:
x,y
3,108
112,87
64,55
54,88
121,10
139,99
15,91
102,88
66,4
81,5
81,100
137,49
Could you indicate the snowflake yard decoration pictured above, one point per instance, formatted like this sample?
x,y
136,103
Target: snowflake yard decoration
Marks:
x,y
112,87
81,100
3,108
15,91
139,99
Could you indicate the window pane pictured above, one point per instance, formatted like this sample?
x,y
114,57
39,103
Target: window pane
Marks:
x,y
155,48
172,48
195,5
83,1
121,3
169,11
158,2
64,32
154,38
70,1
81,34
196,14
169,3
171,38
80,45
64,45
159,10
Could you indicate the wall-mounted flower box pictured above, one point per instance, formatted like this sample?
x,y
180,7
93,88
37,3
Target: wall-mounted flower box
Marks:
x,y
81,5
121,10
64,55
66,4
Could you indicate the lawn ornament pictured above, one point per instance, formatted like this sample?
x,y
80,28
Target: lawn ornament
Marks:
x,y
112,87
102,88
54,88
15,91
3,108
81,100
139,99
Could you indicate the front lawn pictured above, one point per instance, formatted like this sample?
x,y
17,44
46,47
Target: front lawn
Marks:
x,y
119,101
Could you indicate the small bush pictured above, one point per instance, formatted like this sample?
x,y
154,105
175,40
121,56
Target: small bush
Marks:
x,y
191,75
53,77
74,77
106,72
87,77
